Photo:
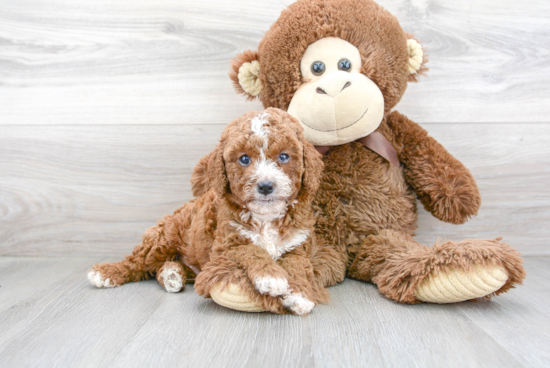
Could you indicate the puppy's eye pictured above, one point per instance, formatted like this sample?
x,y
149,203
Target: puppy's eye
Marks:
x,y
344,64
284,158
318,67
244,160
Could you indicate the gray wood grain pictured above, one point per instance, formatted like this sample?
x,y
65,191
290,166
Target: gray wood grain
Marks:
x,y
51,317
93,190
512,319
95,62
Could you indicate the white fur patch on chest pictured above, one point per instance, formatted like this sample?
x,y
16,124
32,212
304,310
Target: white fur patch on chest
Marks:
x,y
268,237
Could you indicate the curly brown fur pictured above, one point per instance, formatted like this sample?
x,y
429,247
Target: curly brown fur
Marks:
x,y
149,256
361,195
199,177
441,182
223,231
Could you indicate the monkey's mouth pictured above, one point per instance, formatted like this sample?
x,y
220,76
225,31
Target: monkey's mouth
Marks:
x,y
333,130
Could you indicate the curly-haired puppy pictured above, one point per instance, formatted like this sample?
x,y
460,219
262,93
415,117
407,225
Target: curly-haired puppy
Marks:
x,y
253,225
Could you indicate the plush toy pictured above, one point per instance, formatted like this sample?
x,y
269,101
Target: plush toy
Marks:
x,y
251,227
340,67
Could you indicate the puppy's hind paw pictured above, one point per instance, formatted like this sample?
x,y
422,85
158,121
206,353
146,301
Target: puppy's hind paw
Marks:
x,y
98,280
172,280
298,304
273,286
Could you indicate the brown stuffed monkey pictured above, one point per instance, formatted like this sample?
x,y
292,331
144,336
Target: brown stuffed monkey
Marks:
x,y
340,67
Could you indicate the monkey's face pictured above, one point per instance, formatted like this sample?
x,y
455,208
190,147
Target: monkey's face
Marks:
x,y
337,66
336,103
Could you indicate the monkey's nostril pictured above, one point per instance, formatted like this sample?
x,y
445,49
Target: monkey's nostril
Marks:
x,y
346,86
266,187
321,91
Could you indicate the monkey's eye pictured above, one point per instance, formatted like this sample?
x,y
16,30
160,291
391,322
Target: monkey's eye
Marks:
x,y
284,158
344,64
318,67
244,160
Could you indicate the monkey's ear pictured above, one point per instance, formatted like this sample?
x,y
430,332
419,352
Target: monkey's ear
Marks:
x,y
245,72
417,58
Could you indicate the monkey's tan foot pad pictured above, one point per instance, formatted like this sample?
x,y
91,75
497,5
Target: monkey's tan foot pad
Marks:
x,y
233,297
457,285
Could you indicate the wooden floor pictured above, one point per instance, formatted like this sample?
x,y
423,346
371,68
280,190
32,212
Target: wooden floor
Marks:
x,y
50,316
105,108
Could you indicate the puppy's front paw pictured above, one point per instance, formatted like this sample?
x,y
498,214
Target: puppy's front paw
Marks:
x,y
273,286
297,304
98,280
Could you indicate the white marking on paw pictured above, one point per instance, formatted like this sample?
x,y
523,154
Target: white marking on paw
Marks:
x,y
273,286
297,304
97,280
172,280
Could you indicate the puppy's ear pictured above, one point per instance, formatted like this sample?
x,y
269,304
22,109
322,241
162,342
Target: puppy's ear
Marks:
x,y
216,171
313,168
200,182
245,74
417,58
210,173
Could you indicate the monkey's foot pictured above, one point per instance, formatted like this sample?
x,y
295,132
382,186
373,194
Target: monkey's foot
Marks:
x,y
233,297
455,285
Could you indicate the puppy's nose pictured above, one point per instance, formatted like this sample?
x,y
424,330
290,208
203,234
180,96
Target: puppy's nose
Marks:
x,y
266,187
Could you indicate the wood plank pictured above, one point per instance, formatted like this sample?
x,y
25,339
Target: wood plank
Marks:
x,y
139,324
33,284
76,324
93,190
520,319
166,62
46,274
193,326
422,335
359,327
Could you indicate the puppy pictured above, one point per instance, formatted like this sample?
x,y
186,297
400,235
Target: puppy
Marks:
x,y
252,225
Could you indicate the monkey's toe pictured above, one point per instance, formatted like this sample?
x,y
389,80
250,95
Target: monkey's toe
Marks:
x,y
457,285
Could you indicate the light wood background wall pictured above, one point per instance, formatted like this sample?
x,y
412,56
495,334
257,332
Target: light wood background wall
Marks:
x,y
105,107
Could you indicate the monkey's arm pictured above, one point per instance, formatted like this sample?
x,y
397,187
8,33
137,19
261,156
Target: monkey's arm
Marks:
x,y
443,184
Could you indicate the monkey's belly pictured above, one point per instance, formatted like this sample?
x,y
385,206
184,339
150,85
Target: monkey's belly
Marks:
x,y
360,194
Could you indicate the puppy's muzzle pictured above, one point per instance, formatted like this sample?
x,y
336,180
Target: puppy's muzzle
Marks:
x,y
266,187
